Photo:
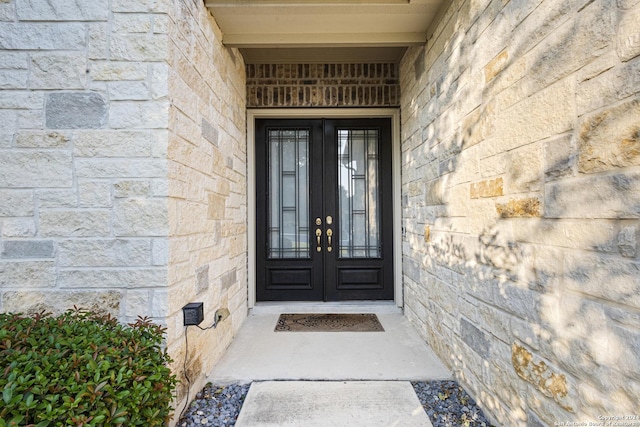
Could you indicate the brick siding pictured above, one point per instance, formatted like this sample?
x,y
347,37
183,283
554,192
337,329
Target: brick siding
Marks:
x,y
322,85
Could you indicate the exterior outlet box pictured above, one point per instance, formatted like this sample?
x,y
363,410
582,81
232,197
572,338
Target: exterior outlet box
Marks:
x,y
193,313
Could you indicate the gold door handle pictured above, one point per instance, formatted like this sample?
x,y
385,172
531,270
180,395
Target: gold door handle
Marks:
x,y
318,239
329,234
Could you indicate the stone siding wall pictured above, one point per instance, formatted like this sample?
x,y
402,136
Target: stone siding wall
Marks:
x,y
83,141
322,85
123,167
207,190
521,181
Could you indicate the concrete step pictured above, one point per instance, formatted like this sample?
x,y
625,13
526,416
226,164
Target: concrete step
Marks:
x,y
332,403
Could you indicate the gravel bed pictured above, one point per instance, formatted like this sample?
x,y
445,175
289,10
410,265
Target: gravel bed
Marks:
x,y
215,405
446,403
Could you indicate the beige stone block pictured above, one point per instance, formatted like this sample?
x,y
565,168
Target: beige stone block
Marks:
x,y
610,139
138,303
63,10
104,253
594,235
41,139
76,223
515,208
434,192
487,188
457,200
586,273
58,71
107,143
216,206
544,114
476,126
495,66
33,118
190,218
159,188
98,42
94,194
601,196
139,47
525,169
547,379
131,188
628,241
128,91
573,45
36,168
560,156
21,99
159,303
118,71
113,278
121,168
140,217
139,115
161,24
223,187
159,252
27,274
57,198
13,79
540,408
616,82
18,227
142,6
159,80
57,302
16,203
628,36
493,165
131,23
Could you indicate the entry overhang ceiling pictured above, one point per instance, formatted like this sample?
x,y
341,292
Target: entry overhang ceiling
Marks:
x,y
324,31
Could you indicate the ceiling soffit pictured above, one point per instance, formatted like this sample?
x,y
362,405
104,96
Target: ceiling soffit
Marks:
x,y
313,31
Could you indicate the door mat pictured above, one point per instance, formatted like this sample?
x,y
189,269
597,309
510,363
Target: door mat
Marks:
x,y
323,322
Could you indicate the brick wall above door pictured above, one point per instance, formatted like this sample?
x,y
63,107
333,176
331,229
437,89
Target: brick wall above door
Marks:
x,y
322,85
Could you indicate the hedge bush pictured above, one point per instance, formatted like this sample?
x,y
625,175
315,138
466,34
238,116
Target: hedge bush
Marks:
x,y
83,369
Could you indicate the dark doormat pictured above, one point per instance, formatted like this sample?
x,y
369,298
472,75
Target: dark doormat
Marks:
x,y
328,323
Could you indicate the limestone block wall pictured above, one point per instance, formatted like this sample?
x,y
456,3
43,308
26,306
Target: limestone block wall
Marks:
x,y
521,181
83,170
123,167
207,187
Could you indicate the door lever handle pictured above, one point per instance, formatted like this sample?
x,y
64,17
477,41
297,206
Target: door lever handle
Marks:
x,y
318,239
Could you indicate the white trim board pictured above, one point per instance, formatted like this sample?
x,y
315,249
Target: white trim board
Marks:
x,y
318,113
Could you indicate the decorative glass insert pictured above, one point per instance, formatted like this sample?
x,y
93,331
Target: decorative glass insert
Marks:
x,y
288,204
358,187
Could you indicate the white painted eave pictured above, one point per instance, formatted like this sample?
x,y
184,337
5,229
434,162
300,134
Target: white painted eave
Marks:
x,y
287,27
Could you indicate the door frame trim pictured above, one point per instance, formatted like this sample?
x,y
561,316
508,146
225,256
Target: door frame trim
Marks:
x,y
319,113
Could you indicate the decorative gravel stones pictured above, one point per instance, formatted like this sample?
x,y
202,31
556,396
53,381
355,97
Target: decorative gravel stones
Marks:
x,y
215,405
446,404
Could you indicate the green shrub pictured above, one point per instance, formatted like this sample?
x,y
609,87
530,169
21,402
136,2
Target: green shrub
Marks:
x,y
81,369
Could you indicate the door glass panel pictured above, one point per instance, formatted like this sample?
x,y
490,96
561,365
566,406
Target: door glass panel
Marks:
x,y
288,200
359,228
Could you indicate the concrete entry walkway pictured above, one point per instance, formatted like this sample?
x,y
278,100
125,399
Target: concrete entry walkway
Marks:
x,y
258,353
361,378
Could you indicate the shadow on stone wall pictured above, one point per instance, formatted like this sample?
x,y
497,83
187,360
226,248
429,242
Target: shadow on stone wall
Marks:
x,y
522,242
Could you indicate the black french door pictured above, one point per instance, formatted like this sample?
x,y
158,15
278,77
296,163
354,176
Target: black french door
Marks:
x,y
324,210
